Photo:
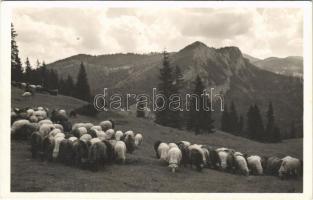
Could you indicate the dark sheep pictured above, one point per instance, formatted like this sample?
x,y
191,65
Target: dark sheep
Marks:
x,y
48,145
97,156
272,165
156,145
66,152
36,145
196,159
110,150
214,159
73,113
81,150
130,143
93,133
231,163
185,153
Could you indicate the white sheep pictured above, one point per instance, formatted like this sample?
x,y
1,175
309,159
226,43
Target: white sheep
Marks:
x,y
101,135
255,165
45,121
94,140
85,138
241,163
59,126
118,135
30,112
120,151
57,140
171,145
33,118
18,124
73,139
109,134
40,114
45,129
174,158
290,166
82,130
26,94
163,150
138,139
130,132
105,125
54,132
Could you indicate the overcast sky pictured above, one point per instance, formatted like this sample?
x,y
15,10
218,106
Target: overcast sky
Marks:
x,y
51,34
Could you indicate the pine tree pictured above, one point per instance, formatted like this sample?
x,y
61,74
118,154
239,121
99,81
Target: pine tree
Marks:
x,y
225,120
62,86
69,86
250,123
82,89
272,132
200,119
276,137
259,128
255,129
16,65
165,88
175,116
270,123
28,71
233,122
241,125
44,74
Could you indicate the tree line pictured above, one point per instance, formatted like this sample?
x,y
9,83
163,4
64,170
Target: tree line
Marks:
x,y
254,129
47,78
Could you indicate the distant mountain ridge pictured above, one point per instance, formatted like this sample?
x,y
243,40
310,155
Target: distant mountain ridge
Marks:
x,y
226,69
290,66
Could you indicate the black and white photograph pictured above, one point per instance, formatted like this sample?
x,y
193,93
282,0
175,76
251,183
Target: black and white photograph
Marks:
x,y
113,98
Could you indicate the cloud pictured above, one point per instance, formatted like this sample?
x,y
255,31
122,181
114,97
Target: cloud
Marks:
x,y
54,33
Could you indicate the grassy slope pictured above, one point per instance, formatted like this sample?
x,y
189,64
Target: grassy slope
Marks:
x,y
143,172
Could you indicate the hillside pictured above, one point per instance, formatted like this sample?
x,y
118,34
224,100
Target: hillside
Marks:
x,y
36,176
225,69
290,66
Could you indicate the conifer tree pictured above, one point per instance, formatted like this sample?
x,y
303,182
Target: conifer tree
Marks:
x,y
225,120
233,122
272,132
16,65
165,88
28,71
259,128
241,125
44,74
200,118
82,89
255,128
69,86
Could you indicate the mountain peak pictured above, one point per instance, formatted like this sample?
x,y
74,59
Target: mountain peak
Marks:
x,y
195,45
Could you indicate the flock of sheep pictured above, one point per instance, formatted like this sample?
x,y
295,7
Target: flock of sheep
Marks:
x,y
225,159
54,138
85,145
